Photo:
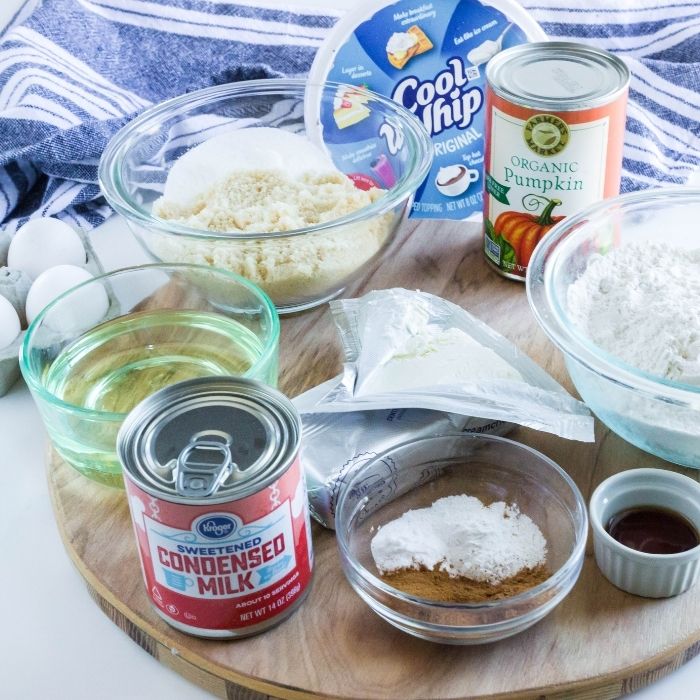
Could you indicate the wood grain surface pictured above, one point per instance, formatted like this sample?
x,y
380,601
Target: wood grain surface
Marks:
x,y
599,643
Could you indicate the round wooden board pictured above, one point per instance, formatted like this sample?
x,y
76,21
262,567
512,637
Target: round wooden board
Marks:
x,y
599,643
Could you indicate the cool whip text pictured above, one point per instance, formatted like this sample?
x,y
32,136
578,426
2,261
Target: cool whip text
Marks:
x,y
442,102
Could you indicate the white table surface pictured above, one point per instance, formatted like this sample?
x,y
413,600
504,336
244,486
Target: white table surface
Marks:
x,y
54,641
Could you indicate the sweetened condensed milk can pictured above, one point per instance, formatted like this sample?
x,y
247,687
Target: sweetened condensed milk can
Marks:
x,y
218,503
555,124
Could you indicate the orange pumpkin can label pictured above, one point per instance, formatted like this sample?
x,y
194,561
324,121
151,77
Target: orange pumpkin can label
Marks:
x,y
548,159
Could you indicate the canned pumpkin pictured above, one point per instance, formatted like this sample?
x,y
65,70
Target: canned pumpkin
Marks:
x,y
555,120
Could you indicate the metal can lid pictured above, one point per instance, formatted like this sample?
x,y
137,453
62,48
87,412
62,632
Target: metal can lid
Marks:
x,y
558,76
210,440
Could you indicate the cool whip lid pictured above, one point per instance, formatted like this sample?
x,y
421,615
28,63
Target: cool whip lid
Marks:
x,y
429,57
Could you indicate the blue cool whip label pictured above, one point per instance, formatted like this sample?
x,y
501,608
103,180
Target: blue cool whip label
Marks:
x,y
430,58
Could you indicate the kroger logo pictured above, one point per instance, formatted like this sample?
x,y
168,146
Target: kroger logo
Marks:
x,y
216,527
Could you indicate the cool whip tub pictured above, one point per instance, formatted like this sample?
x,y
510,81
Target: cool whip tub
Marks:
x,y
218,503
429,57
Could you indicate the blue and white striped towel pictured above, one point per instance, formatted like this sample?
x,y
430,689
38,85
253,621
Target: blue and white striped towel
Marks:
x,y
72,72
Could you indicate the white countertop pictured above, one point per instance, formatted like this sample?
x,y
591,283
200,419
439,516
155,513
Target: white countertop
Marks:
x,y
55,642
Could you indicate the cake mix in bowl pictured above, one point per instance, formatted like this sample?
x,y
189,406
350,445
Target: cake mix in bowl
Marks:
x,y
225,176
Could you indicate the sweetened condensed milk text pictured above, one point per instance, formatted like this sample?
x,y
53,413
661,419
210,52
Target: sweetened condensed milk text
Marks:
x,y
223,570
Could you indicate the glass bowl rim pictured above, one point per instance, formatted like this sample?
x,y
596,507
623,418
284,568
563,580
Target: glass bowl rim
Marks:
x,y
111,183
552,583
553,320
38,387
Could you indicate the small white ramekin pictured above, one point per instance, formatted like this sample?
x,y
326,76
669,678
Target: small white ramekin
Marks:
x,y
648,575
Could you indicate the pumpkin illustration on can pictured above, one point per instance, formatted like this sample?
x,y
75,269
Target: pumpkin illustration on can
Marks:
x,y
554,133
523,230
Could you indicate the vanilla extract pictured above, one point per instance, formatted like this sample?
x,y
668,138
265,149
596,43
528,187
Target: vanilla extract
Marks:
x,y
653,530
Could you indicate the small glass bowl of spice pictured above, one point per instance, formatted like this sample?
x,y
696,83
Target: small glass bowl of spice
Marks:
x,y
646,531
461,539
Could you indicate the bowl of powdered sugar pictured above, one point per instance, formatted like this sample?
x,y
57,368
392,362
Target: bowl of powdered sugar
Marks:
x,y
617,289
299,196
461,539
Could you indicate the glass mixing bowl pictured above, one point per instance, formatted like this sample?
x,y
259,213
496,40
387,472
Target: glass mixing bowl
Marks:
x,y
417,473
298,269
94,352
658,415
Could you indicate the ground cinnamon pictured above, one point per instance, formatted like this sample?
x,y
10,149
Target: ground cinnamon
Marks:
x,y
439,585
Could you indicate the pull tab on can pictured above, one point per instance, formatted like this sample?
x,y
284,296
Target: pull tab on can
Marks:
x,y
204,464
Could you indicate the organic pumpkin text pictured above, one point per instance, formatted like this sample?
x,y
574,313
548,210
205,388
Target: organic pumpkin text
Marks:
x,y
563,178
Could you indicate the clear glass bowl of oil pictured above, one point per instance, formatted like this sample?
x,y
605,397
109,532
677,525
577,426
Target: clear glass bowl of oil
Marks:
x,y
105,345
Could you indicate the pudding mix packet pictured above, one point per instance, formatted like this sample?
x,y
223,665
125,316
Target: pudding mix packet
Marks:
x,y
418,365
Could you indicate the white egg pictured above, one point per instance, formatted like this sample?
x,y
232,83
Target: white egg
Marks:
x,y
82,310
44,243
9,323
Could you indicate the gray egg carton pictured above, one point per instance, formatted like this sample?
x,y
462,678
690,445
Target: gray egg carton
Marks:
x,y
9,356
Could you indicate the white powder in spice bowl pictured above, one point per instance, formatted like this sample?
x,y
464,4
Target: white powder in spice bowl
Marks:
x,y
462,537
290,269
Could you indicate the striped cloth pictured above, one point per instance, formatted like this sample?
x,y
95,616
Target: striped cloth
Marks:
x,y
660,43
72,72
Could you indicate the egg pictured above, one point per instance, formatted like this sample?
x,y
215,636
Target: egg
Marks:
x,y
9,323
84,309
14,286
44,243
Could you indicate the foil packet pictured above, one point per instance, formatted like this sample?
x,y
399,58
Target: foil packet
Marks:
x,y
335,444
416,366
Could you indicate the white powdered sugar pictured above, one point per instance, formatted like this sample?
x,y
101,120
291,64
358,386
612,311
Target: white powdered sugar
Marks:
x,y
641,303
463,537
